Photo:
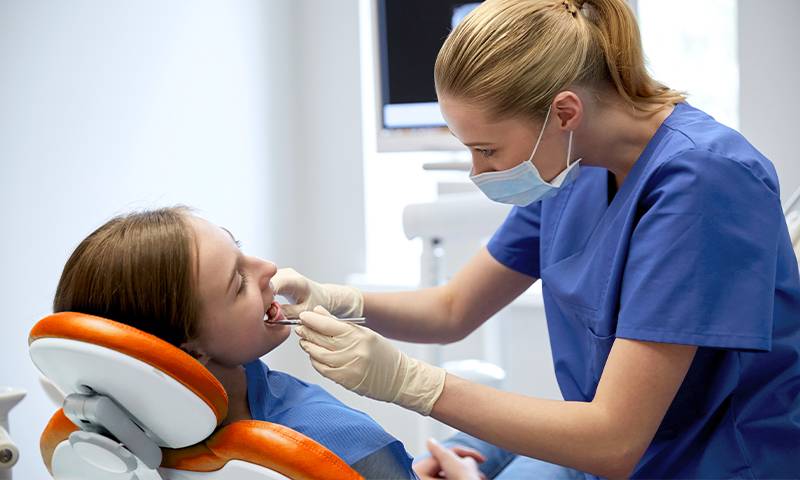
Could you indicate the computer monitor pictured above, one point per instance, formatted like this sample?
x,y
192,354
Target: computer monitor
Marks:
x,y
407,36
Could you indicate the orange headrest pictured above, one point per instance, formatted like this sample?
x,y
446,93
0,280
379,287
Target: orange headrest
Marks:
x,y
81,353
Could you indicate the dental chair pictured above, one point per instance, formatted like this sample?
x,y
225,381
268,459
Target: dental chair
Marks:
x,y
138,408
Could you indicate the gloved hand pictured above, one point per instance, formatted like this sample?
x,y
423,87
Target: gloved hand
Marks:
x,y
361,360
306,294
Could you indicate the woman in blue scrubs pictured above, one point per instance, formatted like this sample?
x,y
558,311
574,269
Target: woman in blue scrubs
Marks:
x,y
671,289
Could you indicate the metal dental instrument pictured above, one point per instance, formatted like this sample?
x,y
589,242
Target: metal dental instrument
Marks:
x,y
296,321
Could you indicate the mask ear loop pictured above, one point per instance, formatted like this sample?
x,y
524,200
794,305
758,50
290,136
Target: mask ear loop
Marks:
x,y
541,133
569,148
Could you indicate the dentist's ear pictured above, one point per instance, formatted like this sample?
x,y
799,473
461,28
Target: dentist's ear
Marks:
x,y
569,109
196,352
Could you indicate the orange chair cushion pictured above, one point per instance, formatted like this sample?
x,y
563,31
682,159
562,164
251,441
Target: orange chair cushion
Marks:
x,y
273,446
267,444
140,345
56,431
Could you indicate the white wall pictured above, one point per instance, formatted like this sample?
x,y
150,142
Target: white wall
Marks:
x,y
769,65
330,190
110,105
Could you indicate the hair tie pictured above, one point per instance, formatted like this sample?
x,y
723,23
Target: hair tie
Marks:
x,y
570,8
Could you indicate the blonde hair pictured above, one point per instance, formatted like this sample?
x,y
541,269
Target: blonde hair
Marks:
x,y
514,56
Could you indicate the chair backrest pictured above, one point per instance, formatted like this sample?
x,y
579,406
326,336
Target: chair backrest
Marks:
x,y
136,405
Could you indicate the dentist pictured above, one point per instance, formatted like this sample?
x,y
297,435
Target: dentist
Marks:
x,y
671,289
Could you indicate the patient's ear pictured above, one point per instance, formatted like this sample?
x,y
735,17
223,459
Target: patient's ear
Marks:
x,y
196,351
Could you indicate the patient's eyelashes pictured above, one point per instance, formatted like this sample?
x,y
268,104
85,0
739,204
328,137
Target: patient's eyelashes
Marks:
x,y
243,284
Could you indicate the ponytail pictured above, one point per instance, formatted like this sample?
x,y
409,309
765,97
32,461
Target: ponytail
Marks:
x,y
617,39
513,56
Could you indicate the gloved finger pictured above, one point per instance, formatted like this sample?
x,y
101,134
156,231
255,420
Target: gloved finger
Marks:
x,y
321,310
323,355
325,341
290,284
293,311
324,324
337,374
320,367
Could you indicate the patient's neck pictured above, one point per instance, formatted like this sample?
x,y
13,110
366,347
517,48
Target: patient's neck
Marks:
x,y
234,380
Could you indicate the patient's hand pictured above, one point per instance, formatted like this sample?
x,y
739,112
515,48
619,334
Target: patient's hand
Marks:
x,y
457,463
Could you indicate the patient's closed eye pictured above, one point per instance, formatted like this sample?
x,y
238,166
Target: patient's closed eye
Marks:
x,y
243,283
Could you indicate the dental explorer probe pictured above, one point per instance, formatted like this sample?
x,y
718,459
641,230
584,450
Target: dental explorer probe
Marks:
x,y
296,321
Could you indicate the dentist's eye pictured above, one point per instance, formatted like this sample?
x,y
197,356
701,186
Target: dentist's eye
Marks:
x,y
486,152
243,285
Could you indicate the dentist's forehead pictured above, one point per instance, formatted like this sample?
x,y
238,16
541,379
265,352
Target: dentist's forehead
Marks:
x,y
472,125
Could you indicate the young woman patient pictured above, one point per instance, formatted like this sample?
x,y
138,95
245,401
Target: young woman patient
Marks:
x,y
178,277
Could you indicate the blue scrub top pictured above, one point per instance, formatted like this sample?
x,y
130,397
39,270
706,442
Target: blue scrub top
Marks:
x,y
694,250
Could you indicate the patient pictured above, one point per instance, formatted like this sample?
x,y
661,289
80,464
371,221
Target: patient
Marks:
x,y
178,277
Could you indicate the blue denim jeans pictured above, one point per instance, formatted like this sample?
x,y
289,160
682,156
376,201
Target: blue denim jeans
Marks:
x,y
503,465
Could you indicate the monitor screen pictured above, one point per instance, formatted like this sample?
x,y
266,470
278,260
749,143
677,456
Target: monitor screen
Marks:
x,y
410,34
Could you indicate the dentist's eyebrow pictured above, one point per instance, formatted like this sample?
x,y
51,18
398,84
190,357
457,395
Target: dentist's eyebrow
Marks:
x,y
478,144
472,144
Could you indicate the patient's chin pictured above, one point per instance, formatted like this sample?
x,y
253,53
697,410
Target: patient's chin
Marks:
x,y
277,334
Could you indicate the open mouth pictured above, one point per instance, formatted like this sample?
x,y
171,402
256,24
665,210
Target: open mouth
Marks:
x,y
273,314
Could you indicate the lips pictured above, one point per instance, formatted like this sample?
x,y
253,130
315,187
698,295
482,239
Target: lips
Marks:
x,y
274,313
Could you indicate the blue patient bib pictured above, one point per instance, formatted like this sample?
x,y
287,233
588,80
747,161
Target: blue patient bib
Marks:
x,y
280,398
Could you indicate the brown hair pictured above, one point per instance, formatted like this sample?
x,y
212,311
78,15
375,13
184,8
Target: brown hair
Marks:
x,y
514,56
136,269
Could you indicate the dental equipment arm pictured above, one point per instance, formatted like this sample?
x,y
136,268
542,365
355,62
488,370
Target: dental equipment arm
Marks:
x,y
9,453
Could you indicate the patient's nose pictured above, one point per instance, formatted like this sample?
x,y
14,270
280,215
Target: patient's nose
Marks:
x,y
268,270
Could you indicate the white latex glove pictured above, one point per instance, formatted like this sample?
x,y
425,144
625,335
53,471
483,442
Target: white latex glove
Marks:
x,y
361,360
305,294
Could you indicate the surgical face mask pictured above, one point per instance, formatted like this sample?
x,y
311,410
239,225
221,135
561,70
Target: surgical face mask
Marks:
x,y
523,185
